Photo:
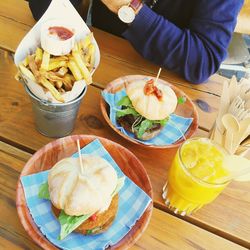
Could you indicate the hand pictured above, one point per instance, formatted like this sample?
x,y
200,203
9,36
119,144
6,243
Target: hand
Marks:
x,y
115,5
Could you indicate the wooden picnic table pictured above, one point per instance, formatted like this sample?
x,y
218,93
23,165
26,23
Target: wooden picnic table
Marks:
x,y
223,224
243,20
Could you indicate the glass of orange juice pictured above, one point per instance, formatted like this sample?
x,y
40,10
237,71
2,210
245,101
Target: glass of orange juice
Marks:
x,y
196,176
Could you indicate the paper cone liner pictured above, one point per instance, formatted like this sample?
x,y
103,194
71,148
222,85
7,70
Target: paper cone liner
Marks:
x,y
58,10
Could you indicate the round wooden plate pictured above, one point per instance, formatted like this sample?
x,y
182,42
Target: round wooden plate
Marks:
x,y
186,109
51,153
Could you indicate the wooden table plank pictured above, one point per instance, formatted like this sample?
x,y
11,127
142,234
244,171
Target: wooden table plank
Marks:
x,y
16,20
207,104
17,127
164,231
243,20
12,234
14,24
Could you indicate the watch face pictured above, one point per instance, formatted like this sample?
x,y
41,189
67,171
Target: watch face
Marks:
x,y
126,14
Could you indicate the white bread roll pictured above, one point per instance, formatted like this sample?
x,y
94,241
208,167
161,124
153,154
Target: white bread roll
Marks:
x,y
80,194
150,106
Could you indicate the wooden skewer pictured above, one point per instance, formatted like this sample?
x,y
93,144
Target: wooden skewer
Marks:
x,y
157,77
80,155
245,153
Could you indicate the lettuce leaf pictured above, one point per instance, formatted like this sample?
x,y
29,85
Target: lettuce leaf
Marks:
x,y
126,111
125,101
127,107
163,122
44,191
70,223
145,124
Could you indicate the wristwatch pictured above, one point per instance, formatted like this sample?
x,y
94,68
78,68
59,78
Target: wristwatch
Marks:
x,y
127,12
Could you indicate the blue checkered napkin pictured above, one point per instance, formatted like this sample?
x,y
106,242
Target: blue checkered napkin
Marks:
x,y
172,132
133,201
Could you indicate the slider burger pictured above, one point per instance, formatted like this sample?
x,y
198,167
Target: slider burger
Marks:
x,y
146,108
85,199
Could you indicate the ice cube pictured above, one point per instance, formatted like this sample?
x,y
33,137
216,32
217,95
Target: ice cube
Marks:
x,y
204,169
190,156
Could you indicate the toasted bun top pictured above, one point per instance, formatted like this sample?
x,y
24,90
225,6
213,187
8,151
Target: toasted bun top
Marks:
x,y
150,106
80,193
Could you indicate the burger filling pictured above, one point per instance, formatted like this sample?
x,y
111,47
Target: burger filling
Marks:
x,y
132,121
70,223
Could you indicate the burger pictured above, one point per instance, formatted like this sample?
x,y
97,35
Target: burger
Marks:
x,y
84,199
146,108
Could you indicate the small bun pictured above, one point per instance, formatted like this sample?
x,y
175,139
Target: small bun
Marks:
x,y
150,106
80,193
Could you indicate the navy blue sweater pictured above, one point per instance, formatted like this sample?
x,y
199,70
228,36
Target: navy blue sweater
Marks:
x,y
189,37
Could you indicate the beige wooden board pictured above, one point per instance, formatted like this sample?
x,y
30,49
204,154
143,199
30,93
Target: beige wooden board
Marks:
x,y
164,231
243,21
17,127
227,216
168,232
12,234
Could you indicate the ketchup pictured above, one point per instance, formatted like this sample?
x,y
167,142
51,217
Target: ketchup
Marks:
x,y
151,89
62,32
93,217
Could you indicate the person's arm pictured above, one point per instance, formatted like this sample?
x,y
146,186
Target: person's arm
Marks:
x,y
38,7
196,52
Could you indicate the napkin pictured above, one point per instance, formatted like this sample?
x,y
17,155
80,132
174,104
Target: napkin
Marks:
x,y
133,201
175,129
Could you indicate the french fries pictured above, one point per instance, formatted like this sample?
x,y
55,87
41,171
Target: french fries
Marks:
x,y
45,61
27,72
91,53
75,70
57,65
81,66
58,74
45,83
39,56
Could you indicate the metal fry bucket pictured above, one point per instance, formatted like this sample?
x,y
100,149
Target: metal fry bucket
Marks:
x,y
55,120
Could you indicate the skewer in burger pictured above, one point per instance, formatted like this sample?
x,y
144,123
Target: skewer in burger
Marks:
x,y
146,108
84,200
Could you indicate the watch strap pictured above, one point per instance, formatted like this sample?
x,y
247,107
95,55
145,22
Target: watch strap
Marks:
x,y
135,5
